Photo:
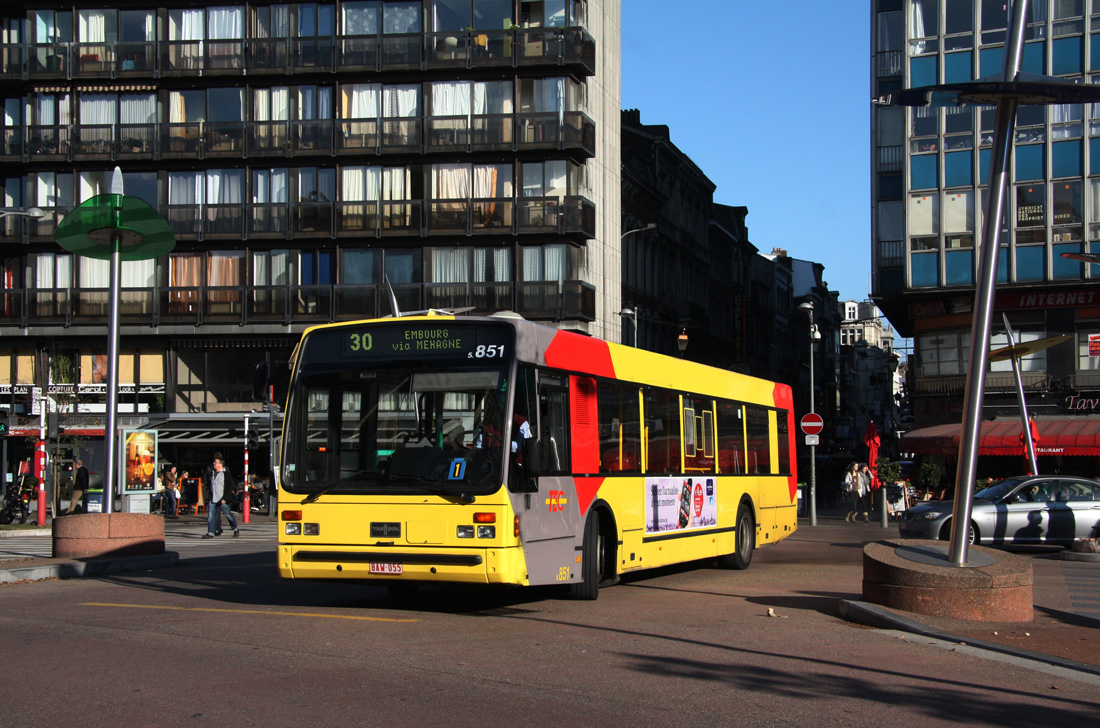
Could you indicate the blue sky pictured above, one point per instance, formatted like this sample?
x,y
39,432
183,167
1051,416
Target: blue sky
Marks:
x,y
772,102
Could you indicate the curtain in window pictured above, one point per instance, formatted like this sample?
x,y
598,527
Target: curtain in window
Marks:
x,y
185,270
486,181
269,186
53,191
185,25
225,269
95,273
401,17
271,104
92,26
53,270
451,182
224,187
47,113
185,188
532,264
959,212
451,265
401,101
395,183
177,108
555,263
362,100
916,27
359,19
138,109
98,109
362,184
314,102
493,265
451,98
226,23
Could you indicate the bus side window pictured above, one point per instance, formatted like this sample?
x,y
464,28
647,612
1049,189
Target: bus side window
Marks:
x,y
782,428
758,434
554,427
620,427
662,431
731,438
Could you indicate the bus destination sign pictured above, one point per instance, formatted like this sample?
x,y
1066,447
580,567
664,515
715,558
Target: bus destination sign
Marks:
x,y
424,340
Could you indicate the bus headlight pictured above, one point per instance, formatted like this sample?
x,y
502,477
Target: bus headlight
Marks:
x,y
486,531
465,532
293,529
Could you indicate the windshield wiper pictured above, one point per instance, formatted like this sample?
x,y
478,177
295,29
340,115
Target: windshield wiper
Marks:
x,y
331,486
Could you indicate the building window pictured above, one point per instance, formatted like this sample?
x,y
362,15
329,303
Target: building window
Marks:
x,y
1029,162
1067,56
922,172
958,169
1085,361
944,353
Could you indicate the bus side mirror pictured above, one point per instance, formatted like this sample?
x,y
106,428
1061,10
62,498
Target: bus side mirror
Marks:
x,y
532,460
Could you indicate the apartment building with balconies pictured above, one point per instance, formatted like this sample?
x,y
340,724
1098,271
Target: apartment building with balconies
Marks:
x,y
308,157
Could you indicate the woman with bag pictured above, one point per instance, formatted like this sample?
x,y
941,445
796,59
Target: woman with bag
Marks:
x,y
852,490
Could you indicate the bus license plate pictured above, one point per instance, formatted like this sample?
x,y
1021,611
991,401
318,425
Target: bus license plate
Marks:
x,y
379,568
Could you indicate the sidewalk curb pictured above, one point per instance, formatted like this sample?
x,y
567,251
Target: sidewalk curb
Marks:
x,y
872,615
76,569
14,532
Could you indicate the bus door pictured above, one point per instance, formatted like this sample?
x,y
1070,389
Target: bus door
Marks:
x,y
548,511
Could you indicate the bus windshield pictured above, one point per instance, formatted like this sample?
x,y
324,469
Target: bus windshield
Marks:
x,y
386,424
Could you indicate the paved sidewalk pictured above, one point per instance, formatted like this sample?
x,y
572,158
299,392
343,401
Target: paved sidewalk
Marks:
x,y
1065,631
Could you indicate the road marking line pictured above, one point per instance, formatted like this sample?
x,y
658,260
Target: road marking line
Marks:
x,y
247,611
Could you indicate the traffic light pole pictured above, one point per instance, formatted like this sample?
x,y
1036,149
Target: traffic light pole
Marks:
x,y
246,505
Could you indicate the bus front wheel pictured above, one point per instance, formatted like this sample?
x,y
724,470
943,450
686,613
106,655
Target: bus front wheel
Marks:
x,y
744,541
591,561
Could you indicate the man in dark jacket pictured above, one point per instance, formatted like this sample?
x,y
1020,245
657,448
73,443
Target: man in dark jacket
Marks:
x,y
222,487
80,485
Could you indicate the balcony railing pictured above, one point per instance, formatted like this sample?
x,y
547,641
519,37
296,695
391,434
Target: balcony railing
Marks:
x,y
994,382
572,132
570,48
287,305
572,218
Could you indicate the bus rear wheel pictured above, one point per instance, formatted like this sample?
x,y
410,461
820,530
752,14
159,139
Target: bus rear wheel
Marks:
x,y
744,541
588,588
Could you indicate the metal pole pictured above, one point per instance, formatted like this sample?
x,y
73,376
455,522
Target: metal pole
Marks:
x,y
813,448
111,430
1020,396
271,453
984,295
246,504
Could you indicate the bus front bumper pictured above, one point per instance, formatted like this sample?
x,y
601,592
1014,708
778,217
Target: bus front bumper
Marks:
x,y
468,566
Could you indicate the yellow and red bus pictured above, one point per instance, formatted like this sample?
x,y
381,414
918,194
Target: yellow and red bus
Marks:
x,y
494,450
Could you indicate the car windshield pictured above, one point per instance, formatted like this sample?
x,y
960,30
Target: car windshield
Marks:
x,y
997,491
395,429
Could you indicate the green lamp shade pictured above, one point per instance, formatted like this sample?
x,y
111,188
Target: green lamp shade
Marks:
x,y
96,226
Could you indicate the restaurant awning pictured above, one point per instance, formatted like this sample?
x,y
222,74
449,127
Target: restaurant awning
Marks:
x,y
1076,436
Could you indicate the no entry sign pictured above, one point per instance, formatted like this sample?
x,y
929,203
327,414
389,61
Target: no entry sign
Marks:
x,y
812,424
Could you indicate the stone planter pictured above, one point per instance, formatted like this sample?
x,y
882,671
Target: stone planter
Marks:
x,y
98,535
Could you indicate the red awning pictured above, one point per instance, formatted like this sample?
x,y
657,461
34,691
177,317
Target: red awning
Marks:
x,y
1079,436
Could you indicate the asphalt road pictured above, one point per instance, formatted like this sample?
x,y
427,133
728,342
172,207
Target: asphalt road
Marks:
x,y
220,640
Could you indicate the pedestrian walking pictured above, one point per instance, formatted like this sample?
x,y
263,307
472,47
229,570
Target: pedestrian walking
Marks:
x,y
222,486
170,480
80,486
852,491
865,492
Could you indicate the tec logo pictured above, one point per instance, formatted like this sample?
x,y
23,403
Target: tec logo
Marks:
x,y
556,501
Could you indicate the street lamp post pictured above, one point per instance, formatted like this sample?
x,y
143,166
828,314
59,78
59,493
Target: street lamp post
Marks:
x,y
35,212
632,314
808,307
649,226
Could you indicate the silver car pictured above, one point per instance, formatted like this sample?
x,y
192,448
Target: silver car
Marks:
x,y
1023,510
